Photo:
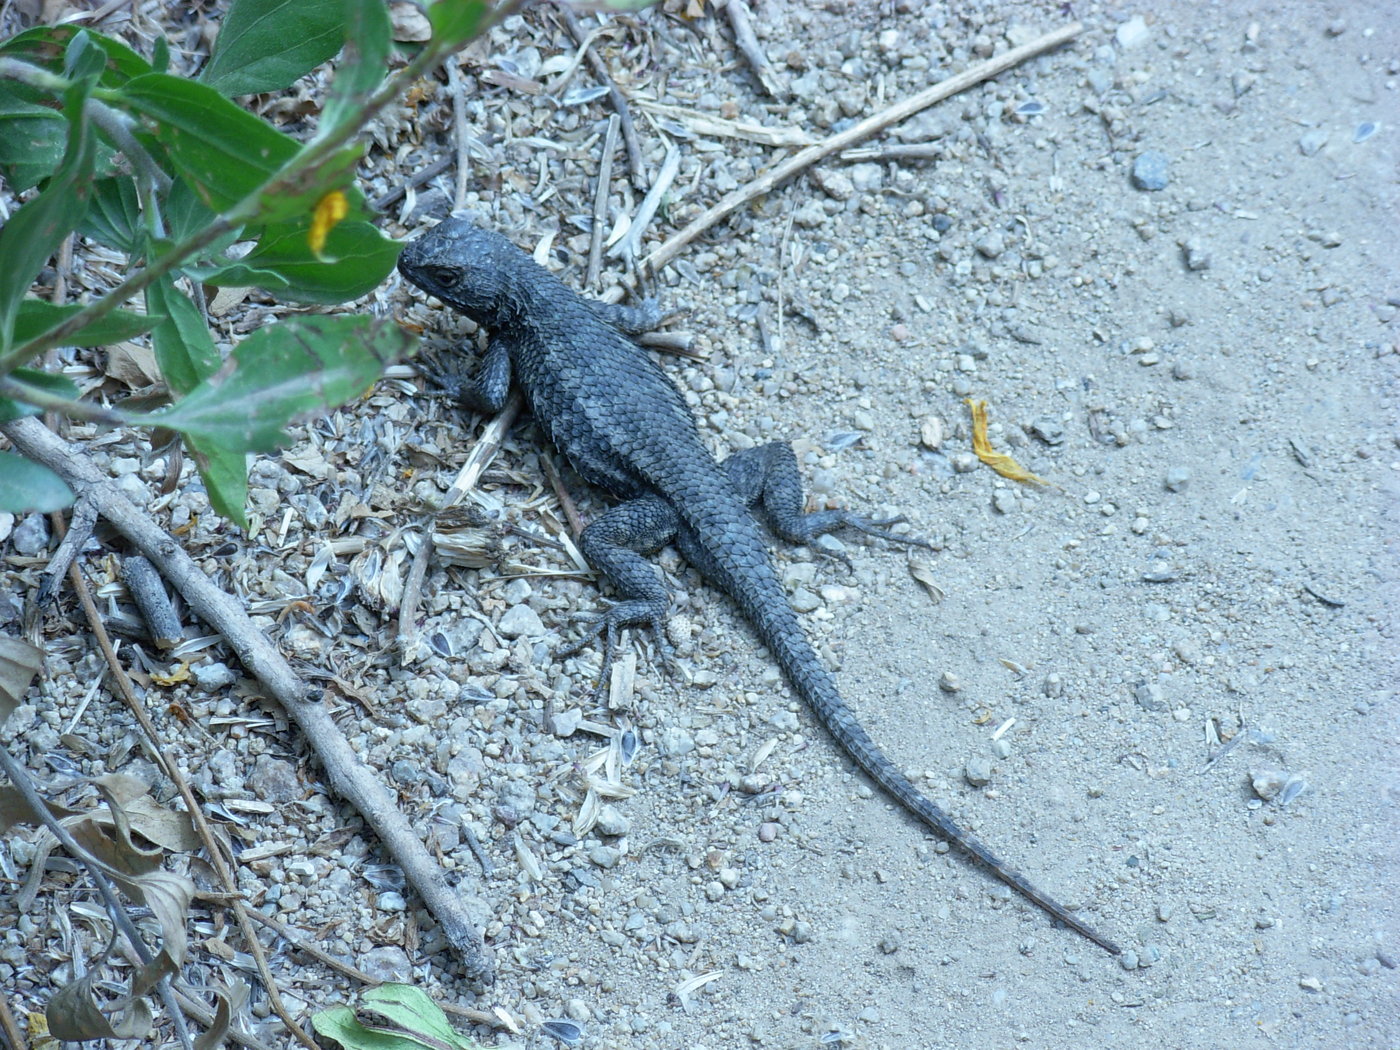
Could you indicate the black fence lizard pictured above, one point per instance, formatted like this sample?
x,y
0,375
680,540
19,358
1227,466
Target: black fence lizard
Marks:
x,y
625,426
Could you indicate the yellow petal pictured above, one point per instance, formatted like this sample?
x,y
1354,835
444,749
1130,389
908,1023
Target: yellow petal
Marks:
x,y
330,209
998,461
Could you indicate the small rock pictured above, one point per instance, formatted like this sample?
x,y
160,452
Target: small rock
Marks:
x,y
605,857
611,822
1128,960
1005,501
1150,170
978,772
212,676
1267,783
1049,429
949,682
388,963
867,177
565,723
768,831
833,183
676,741
521,621
1196,255
991,244
1310,984
1149,696
931,433
31,536
1177,479
1311,142
274,780
1133,33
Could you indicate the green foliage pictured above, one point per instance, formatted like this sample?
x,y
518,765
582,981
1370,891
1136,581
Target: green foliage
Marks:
x,y
266,46
172,173
391,1017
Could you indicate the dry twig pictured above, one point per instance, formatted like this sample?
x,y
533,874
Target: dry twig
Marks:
x,y
871,125
615,96
349,778
600,204
741,21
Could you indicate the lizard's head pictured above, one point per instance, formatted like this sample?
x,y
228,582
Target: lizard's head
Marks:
x,y
469,268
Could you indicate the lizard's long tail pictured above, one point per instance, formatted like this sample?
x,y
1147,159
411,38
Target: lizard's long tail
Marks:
x,y
767,607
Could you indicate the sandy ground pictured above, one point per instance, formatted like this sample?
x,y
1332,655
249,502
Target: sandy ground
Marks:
x,y
1170,673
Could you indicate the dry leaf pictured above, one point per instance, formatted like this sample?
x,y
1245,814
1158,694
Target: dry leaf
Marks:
x,y
923,572
998,461
133,364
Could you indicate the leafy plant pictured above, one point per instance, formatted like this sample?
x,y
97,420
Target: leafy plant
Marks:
x,y
391,1017
173,174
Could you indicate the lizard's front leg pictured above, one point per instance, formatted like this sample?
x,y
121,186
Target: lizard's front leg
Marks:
x,y
614,543
487,390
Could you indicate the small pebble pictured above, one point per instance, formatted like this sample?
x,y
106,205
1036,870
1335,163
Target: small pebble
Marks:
x,y
1267,783
1177,479
991,245
1049,429
605,857
1150,170
1310,142
1149,696
1133,33
521,621
949,682
1196,255
978,772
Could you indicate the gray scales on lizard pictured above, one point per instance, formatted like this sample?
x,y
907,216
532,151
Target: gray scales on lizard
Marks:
x,y
611,410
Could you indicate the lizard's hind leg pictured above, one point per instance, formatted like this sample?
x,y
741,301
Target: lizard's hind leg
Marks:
x,y
614,543
766,476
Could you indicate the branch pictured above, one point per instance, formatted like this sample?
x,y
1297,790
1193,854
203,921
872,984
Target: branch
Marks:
x,y
349,778
872,125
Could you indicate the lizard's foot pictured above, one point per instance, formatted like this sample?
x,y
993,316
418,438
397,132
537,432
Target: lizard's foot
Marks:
x,y
877,527
608,625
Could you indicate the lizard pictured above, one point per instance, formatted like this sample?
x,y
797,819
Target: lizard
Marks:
x,y
625,427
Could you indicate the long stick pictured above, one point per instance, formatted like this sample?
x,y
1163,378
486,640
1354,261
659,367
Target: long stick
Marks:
x,y
872,125
349,778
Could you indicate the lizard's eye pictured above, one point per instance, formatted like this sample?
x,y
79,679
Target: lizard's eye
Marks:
x,y
442,275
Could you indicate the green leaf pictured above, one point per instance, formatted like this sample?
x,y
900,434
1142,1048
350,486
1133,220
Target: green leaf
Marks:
x,y
225,474
183,346
225,152
35,231
265,45
356,258
83,58
186,214
12,408
46,46
31,136
37,317
297,368
27,487
361,69
114,217
391,1017
457,20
